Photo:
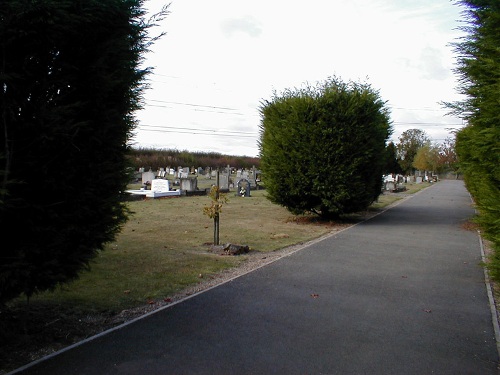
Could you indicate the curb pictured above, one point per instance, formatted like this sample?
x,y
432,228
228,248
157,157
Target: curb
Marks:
x,y
491,298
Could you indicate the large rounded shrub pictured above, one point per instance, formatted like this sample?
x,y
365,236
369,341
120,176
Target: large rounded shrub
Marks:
x,y
322,148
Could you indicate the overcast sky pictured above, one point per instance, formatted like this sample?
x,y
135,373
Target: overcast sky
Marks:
x,y
219,59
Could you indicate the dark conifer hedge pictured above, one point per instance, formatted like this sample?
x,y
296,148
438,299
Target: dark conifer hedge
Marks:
x,y
70,80
478,144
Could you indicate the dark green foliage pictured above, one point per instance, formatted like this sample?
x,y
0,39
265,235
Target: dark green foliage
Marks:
x,y
322,148
69,83
392,165
478,144
479,154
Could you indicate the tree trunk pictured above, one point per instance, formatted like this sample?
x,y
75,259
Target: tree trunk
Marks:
x,y
216,218
216,229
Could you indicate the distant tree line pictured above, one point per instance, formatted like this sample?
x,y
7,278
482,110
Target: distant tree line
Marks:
x,y
154,159
416,152
399,158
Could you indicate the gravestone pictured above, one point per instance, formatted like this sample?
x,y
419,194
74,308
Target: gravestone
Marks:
x,y
161,173
183,172
189,184
147,177
160,186
223,181
253,176
243,188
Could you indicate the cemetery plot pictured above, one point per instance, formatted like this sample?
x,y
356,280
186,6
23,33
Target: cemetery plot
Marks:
x,y
159,188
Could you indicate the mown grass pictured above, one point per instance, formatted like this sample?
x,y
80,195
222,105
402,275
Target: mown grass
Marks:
x,y
387,199
164,248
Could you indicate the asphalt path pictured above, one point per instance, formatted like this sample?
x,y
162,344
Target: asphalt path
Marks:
x,y
402,293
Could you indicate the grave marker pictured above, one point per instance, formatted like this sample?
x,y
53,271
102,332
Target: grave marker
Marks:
x,y
160,186
243,188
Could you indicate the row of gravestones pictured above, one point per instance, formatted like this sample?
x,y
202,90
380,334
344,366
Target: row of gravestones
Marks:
x,y
393,182
246,179
184,172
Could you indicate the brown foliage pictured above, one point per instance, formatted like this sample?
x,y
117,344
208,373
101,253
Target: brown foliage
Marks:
x,y
154,159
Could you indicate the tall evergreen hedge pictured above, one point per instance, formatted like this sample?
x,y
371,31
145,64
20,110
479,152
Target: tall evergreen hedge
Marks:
x,y
70,79
322,148
478,144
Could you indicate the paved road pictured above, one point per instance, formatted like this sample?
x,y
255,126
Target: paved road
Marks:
x,y
402,293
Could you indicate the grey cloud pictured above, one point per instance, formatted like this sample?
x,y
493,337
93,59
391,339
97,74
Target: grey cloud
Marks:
x,y
431,65
247,25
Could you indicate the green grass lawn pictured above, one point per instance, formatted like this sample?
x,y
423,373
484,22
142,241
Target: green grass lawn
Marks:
x,y
164,248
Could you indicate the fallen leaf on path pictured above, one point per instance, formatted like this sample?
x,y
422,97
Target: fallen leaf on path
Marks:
x,y
427,310
314,295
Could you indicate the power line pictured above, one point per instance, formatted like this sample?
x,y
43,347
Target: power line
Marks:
x,y
224,109
200,110
181,130
199,129
164,75
196,133
193,105
233,109
424,123
419,109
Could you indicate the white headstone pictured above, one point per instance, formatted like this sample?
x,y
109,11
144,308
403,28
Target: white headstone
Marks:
x,y
160,185
390,185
